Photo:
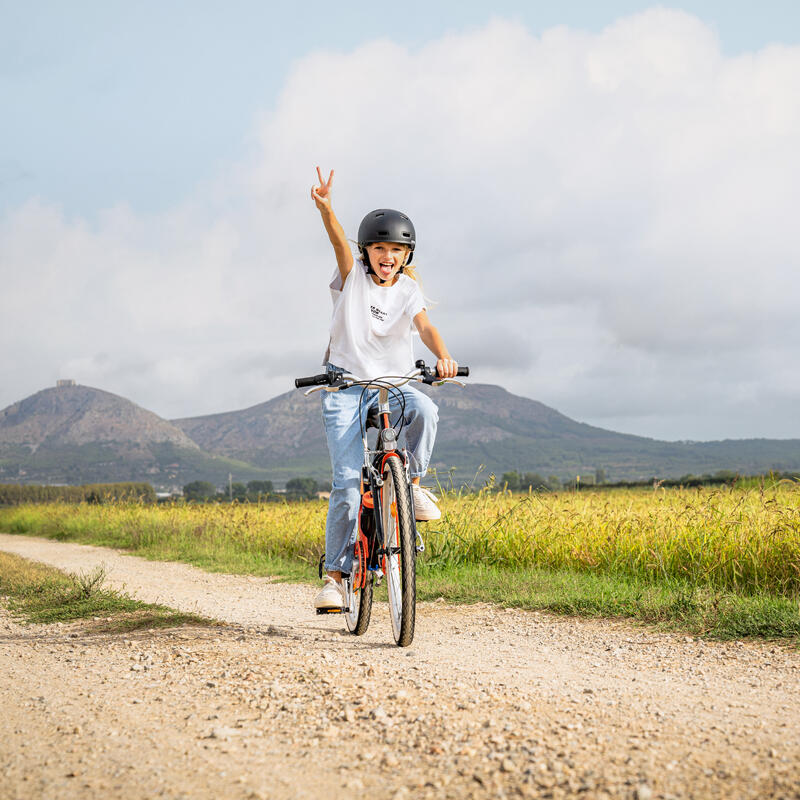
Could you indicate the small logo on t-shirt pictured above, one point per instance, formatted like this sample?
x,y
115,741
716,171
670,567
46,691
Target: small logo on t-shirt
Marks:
x,y
377,313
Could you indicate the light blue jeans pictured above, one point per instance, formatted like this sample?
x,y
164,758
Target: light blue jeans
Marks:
x,y
343,429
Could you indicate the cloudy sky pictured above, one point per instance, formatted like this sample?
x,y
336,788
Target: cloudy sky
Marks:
x,y
604,196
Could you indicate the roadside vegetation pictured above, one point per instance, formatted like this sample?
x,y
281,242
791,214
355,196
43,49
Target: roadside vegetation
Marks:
x,y
532,481
14,494
253,491
722,561
35,592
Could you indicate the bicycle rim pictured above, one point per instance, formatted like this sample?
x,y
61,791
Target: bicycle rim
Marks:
x,y
359,607
398,533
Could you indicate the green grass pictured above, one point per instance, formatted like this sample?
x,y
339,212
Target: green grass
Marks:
x,y
672,605
718,562
38,593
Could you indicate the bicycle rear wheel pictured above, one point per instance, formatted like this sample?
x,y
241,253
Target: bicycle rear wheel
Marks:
x,y
359,598
401,554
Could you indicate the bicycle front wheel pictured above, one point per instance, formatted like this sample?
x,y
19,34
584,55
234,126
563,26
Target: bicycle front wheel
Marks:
x,y
359,591
401,554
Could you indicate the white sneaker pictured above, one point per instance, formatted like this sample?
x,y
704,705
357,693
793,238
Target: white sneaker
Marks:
x,y
425,507
331,595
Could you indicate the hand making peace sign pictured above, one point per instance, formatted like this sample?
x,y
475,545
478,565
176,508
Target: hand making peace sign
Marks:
x,y
321,194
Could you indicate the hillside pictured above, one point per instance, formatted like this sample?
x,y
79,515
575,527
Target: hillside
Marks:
x,y
75,434
284,434
484,425
80,415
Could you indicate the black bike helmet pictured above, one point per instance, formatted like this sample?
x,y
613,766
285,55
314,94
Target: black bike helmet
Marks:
x,y
386,225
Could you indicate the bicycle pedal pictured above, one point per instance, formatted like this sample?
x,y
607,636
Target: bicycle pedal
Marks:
x,y
331,610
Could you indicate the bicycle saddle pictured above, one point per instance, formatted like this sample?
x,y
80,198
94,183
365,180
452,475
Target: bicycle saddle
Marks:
x,y
373,419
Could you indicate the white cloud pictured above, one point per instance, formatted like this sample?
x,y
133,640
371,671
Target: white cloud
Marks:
x,y
605,218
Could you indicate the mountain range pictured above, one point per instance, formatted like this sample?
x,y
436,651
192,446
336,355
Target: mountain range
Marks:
x,y
78,434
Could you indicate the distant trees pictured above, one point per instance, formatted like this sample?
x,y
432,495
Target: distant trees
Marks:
x,y
301,488
510,480
524,482
516,481
128,491
257,488
13,494
238,491
199,490
706,479
257,491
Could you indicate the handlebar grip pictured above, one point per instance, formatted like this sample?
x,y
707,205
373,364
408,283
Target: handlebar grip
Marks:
x,y
313,380
432,375
461,372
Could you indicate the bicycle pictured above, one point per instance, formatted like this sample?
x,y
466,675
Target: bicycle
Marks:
x,y
386,541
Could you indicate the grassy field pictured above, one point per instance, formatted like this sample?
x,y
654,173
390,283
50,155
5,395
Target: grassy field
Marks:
x,y
725,562
35,592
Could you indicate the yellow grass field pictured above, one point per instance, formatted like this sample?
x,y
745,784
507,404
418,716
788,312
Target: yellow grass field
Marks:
x,y
742,540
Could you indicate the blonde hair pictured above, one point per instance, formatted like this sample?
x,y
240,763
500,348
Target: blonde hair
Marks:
x,y
412,273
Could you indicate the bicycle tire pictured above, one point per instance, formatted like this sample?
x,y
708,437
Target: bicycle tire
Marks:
x,y
359,608
401,555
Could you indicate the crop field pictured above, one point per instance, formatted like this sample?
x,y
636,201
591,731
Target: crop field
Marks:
x,y
701,555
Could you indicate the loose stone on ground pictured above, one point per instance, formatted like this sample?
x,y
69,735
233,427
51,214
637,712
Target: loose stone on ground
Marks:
x,y
280,703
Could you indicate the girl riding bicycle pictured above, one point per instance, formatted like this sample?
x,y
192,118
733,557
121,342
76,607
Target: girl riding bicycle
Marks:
x,y
375,301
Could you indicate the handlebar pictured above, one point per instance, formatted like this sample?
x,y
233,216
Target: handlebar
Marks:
x,y
336,377
429,375
314,380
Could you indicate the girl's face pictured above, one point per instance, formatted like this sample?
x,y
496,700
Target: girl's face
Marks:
x,y
386,258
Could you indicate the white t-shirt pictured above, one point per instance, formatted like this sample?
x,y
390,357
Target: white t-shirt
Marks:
x,y
372,325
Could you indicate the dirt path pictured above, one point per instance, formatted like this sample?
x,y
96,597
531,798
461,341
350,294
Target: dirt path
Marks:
x,y
280,703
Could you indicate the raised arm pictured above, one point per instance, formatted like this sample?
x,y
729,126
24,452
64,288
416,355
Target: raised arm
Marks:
x,y
321,195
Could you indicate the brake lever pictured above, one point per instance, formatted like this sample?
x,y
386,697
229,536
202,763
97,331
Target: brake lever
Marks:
x,y
339,383
442,381
430,378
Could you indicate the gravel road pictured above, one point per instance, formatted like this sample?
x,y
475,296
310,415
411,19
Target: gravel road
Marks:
x,y
281,703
